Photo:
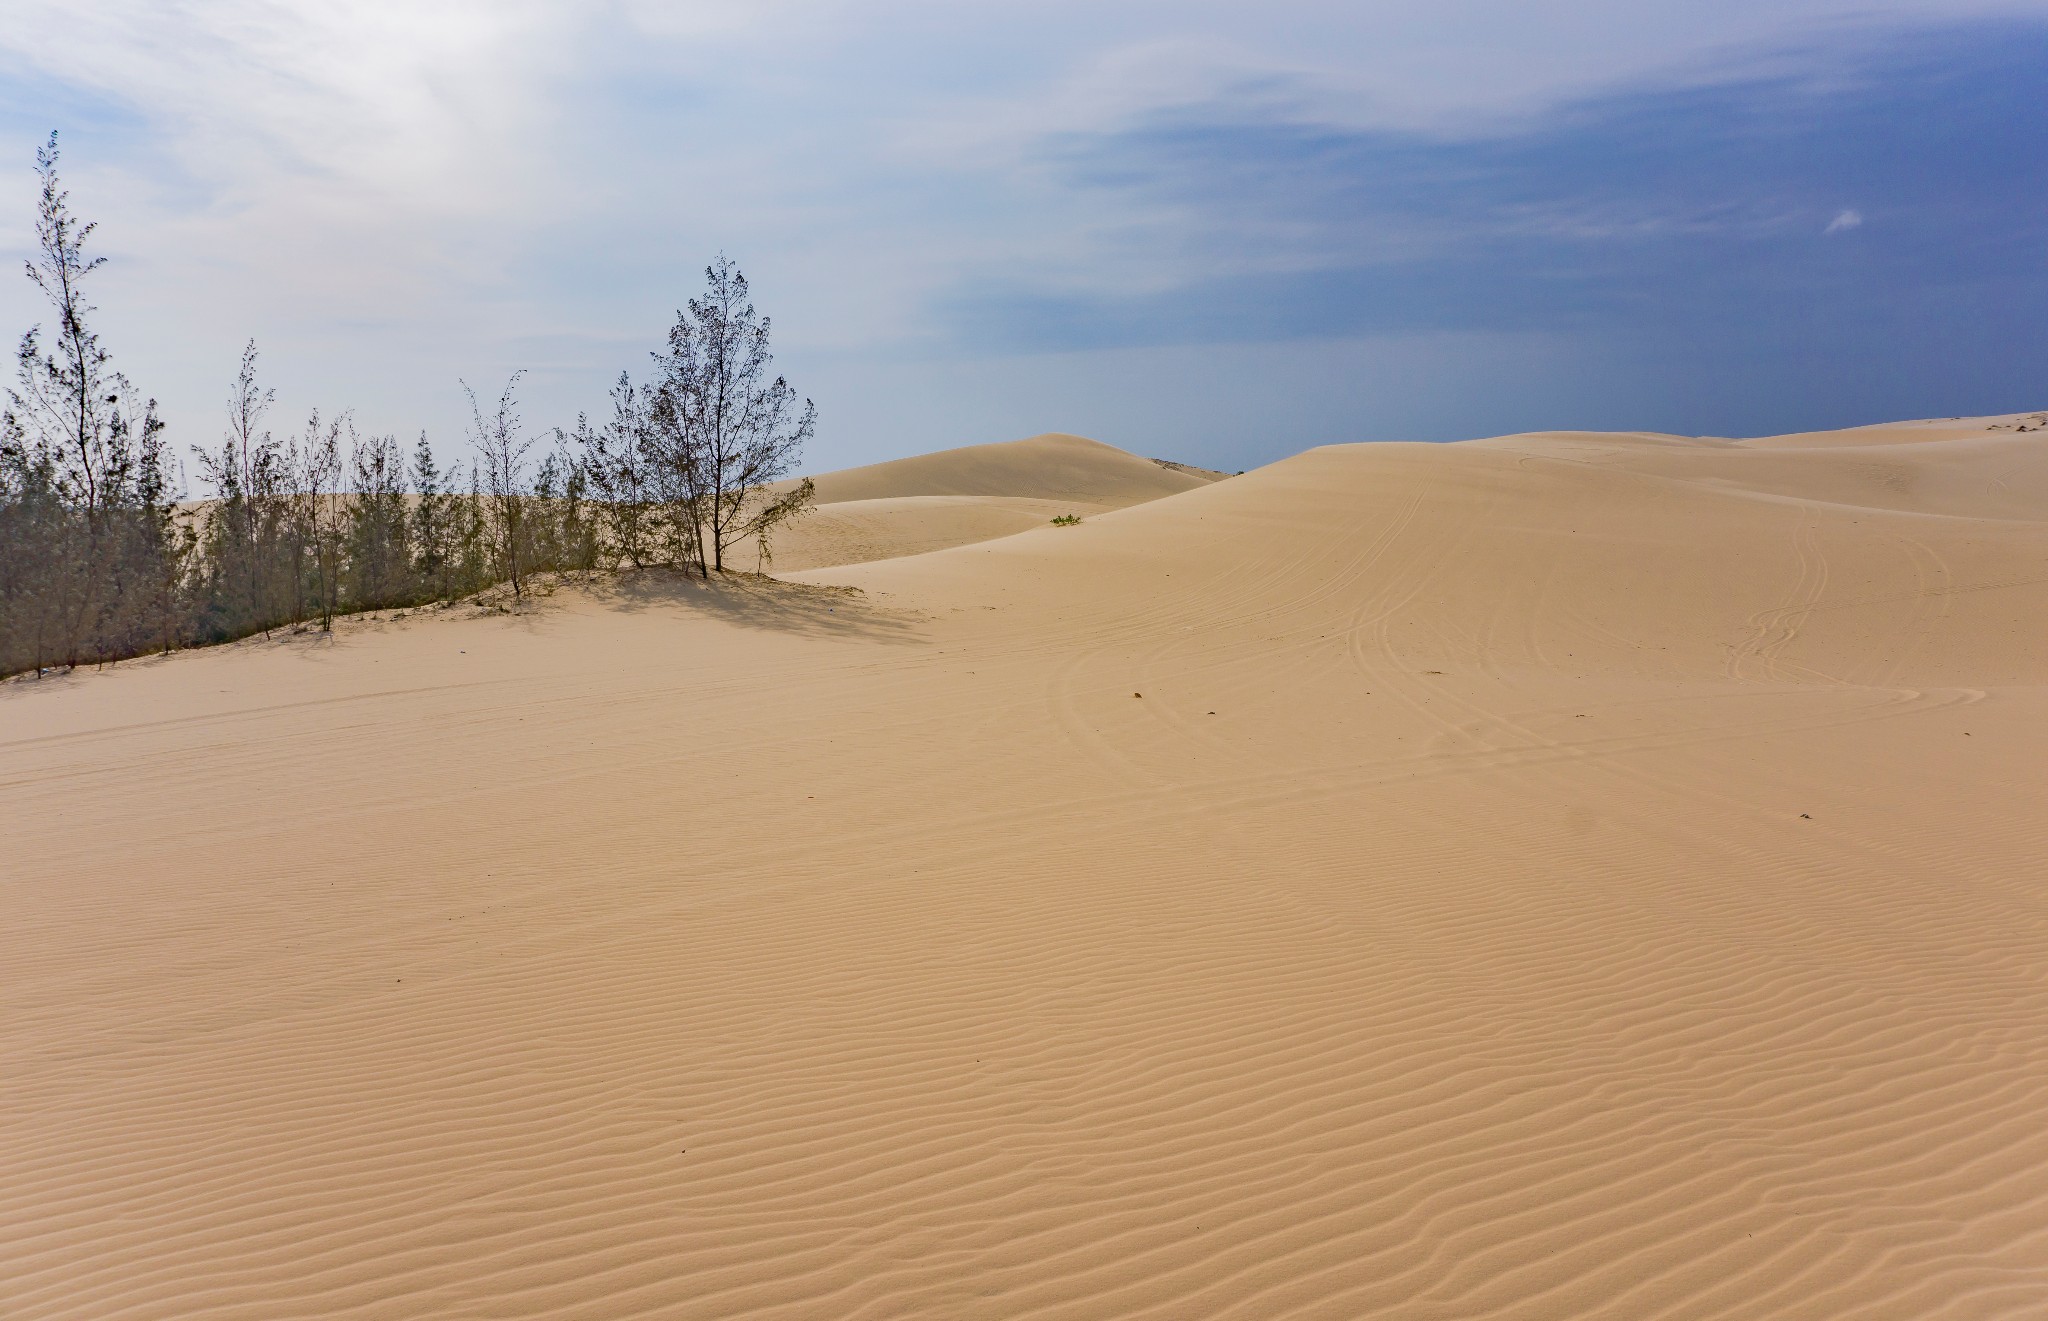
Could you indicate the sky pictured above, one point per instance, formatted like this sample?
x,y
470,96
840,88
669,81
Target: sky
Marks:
x,y
1219,233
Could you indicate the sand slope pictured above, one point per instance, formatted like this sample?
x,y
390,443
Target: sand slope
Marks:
x,y
1049,467
861,531
1547,877
977,493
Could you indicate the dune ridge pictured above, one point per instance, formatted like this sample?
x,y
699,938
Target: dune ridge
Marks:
x,y
1551,876
1053,466
974,493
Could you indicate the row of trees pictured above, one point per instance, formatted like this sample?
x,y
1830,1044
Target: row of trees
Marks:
x,y
100,561
311,526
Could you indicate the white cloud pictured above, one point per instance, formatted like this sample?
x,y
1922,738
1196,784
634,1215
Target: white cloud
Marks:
x,y
390,193
1844,220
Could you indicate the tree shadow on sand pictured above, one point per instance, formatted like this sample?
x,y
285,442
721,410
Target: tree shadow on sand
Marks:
x,y
756,601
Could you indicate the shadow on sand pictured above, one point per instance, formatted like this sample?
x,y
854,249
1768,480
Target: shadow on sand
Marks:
x,y
308,639
746,599
755,601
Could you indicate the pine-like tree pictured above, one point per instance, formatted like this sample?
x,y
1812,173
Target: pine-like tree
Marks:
x,y
502,446
730,430
377,539
96,564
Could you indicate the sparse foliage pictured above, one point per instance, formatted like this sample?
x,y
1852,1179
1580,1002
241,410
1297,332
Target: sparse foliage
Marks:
x,y
745,427
375,551
617,459
243,534
502,447
97,562
91,557
689,466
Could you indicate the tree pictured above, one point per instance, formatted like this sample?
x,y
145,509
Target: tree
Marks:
x,y
616,458
85,468
378,553
475,552
733,430
242,541
559,532
435,557
502,448
37,546
320,481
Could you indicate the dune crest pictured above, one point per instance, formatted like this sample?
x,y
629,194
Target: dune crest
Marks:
x,y
1054,466
976,493
1553,876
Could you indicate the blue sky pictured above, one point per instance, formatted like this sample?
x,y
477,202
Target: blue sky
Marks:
x,y
1197,230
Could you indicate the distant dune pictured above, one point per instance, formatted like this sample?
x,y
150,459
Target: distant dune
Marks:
x,y
1048,467
957,496
1552,876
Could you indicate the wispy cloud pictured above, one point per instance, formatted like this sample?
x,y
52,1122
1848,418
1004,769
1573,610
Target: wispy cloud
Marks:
x,y
390,196
1605,213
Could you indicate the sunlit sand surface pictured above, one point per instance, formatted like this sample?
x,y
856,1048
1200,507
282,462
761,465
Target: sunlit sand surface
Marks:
x,y
1556,876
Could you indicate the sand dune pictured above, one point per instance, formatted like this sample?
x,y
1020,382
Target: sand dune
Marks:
x,y
1050,467
1555,876
977,493
861,531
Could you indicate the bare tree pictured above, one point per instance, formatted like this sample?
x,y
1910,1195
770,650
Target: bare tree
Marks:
x,y
502,449
735,430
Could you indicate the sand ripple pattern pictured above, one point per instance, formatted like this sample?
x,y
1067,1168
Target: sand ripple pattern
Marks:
x,y
1557,877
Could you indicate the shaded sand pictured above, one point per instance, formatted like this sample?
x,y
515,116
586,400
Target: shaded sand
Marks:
x,y
1546,877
